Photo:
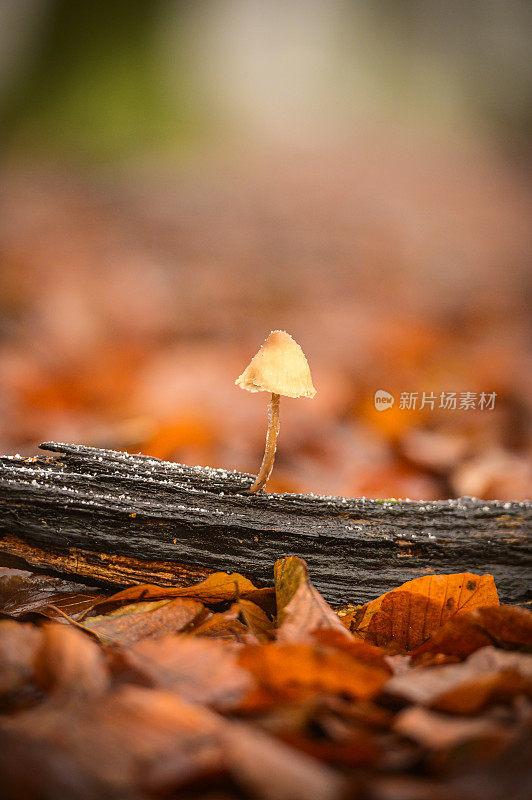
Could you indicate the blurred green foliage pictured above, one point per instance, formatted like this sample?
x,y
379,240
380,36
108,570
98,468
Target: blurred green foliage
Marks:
x,y
110,78
93,82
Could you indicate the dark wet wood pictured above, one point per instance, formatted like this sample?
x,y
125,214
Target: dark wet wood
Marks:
x,y
122,519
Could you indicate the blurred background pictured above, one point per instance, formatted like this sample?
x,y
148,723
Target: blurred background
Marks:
x,y
179,178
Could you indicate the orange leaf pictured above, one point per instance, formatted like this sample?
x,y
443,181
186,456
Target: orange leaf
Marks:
x,y
216,588
243,622
472,697
407,616
504,626
226,625
256,619
302,670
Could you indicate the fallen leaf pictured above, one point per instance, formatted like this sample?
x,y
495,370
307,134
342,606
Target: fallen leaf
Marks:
x,y
406,617
227,626
70,662
200,670
506,775
300,670
216,588
19,645
256,619
439,731
131,743
330,728
23,592
243,622
271,770
130,623
465,688
73,606
474,695
300,607
503,626
362,651
265,598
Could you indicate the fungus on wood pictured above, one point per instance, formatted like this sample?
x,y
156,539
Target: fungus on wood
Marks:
x,y
280,367
122,519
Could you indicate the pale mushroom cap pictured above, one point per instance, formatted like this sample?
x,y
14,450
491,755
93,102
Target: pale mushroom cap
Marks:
x,y
279,367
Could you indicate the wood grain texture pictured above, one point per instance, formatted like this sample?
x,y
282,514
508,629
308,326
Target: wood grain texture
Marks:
x,y
123,519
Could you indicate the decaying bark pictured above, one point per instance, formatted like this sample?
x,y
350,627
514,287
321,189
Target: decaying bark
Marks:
x,y
124,519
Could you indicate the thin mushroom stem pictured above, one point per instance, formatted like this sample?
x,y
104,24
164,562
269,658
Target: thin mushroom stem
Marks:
x,y
271,443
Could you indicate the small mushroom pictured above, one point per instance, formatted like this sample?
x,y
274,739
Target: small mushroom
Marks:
x,y
280,367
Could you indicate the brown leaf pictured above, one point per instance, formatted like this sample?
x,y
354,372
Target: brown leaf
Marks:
x,y
271,770
200,670
503,626
438,731
19,645
474,695
301,670
217,588
243,622
507,775
131,743
227,626
330,728
23,592
407,787
265,598
70,662
404,618
300,607
130,623
485,676
256,619
74,606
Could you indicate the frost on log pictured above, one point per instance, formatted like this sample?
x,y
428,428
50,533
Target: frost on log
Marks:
x,y
121,519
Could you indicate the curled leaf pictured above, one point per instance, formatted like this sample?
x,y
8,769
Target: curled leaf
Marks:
x,y
130,623
216,588
503,626
227,626
407,616
300,607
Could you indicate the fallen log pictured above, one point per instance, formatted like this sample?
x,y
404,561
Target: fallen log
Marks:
x,y
119,519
